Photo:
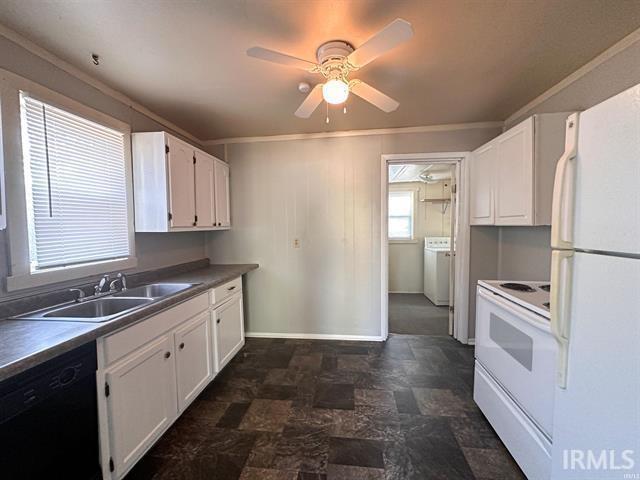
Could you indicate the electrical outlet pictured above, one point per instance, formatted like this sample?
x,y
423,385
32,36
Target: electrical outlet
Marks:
x,y
296,243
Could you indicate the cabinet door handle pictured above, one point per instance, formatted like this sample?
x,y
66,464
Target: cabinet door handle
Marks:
x,y
218,320
181,346
167,354
231,288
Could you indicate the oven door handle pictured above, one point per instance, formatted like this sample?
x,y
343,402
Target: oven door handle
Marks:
x,y
561,280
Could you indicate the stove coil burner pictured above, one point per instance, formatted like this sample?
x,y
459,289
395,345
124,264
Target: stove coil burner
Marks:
x,y
546,288
520,287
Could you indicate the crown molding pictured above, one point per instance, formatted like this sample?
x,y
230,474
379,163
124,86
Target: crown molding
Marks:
x,y
44,54
356,133
612,51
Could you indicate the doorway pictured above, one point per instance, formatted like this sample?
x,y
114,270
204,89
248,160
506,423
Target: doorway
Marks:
x,y
424,245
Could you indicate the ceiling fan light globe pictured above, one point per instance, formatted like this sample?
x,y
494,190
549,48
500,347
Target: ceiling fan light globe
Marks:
x,y
335,92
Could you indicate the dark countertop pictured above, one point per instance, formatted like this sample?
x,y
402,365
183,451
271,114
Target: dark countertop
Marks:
x,y
26,343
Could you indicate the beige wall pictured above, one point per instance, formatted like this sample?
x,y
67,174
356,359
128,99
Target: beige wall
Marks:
x,y
406,266
325,193
524,253
153,249
615,75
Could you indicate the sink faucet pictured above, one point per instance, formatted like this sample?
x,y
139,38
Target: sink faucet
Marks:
x,y
122,278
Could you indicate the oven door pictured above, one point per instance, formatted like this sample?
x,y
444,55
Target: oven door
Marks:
x,y
516,347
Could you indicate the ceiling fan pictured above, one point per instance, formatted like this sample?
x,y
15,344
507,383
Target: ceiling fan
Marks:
x,y
336,59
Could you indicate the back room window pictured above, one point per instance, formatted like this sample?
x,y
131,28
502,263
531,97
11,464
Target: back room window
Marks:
x,y
401,215
75,184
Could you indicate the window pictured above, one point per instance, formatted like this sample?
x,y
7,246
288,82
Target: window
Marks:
x,y
401,215
71,212
75,187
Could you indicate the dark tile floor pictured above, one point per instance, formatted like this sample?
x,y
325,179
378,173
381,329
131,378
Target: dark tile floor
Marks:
x,y
414,314
316,410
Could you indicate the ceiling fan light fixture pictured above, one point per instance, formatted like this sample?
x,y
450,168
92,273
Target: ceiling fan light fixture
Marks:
x,y
335,91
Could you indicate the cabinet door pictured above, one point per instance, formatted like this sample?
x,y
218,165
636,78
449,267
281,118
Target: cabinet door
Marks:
x,y
514,176
181,184
481,173
223,207
229,333
141,403
205,190
193,358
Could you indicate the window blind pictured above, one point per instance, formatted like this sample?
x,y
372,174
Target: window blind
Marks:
x,y
76,188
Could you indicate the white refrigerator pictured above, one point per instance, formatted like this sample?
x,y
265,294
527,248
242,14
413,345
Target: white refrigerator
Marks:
x,y
595,293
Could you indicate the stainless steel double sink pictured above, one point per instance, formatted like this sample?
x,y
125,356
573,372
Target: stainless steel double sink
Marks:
x,y
108,307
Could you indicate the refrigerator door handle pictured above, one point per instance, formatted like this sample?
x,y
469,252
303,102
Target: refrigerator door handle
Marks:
x,y
561,282
563,186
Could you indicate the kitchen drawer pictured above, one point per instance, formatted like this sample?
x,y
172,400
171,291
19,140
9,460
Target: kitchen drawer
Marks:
x,y
133,337
221,293
526,444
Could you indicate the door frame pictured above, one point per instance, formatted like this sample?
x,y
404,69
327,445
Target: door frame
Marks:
x,y
461,311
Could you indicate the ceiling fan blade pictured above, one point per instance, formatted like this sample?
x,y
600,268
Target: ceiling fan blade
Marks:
x,y
310,103
373,96
389,37
281,58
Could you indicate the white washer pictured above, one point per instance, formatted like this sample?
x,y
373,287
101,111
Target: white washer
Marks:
x,y
436,269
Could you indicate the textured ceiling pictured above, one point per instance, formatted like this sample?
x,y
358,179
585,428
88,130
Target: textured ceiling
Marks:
x,y
469,60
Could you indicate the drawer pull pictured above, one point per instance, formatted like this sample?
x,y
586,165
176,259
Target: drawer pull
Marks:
x,y
218,320
231,288
181,346
167,354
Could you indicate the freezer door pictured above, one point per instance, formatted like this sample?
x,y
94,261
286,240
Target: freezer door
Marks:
x,y
607,176
599,410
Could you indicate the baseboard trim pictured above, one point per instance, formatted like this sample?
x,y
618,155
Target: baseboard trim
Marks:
x,y
314,336
471,341
402,291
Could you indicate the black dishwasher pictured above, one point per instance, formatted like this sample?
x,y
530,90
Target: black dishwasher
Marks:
x,y
49,420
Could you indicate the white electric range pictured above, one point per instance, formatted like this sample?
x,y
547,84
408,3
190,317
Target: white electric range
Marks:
x,y
515,369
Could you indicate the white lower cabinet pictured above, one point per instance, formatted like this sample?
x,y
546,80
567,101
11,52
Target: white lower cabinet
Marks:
x,y
141,402
229,329
150,372
194,365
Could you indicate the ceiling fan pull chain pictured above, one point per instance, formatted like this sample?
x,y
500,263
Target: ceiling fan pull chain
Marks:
x,y
344,110
327,119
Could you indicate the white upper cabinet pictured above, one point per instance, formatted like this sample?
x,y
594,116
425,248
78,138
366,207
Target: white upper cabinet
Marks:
x,y
205,190
223,203
175,186
514,176
180,165
511,177
481,189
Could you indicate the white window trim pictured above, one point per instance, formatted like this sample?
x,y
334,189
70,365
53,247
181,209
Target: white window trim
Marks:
x,y
20,276
414,197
